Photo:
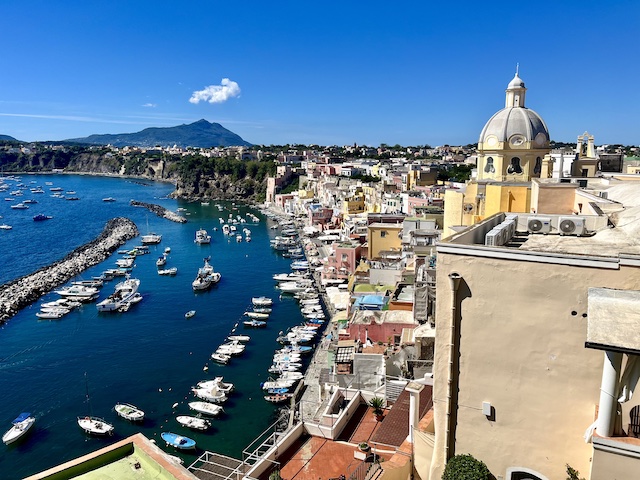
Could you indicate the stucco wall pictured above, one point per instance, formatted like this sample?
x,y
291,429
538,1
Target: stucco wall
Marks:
x,y
522,349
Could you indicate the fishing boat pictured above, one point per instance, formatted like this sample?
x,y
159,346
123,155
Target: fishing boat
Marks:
x,y
51,314
75,291
239,338
202,237
151,239
190,314
178,441
253,323
129,412
206,408
278,398
262,301
193,422
123,294
19,427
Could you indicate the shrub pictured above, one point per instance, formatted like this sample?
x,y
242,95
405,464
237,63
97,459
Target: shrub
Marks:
x,y
465,467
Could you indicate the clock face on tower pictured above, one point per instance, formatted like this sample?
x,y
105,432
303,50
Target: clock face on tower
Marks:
x,y
516,140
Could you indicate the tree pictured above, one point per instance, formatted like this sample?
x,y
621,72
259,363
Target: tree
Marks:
x,y
465,467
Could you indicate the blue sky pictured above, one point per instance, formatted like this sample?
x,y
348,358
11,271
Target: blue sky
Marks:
x,y
330,72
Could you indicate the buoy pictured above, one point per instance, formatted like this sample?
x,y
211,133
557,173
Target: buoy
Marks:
x,y
159,389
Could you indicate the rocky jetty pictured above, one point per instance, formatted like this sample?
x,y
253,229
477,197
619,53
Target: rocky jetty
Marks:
x,y
25,290
160,211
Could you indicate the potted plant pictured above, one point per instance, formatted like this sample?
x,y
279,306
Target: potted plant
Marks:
x,y
377,403
364,446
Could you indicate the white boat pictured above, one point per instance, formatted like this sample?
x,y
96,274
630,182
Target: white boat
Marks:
x,y
210,394
129,412
19,427
262,301
201,283
95,426
202,237
151,239
224,387
206,408
190,314
19,206
257,315
161,261
239,338
193,422
126,262
4,226
78,292
220,358
238,238
109,199
124,293
281,383
289,277
168,271
292,287
231,348
206,276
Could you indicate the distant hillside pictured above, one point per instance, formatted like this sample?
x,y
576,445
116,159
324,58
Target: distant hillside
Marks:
x,y
7,138
198,134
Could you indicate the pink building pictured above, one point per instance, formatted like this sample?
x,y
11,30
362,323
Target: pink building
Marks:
x,y
342,262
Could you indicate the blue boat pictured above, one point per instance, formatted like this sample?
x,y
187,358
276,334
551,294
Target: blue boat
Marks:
x,y
178,441
40,217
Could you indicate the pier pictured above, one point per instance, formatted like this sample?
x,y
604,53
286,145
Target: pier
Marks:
x,y
160,211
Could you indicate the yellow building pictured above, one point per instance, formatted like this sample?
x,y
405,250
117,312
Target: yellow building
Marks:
x,y
535,341
383,237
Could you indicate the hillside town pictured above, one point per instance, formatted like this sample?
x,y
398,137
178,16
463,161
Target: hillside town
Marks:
x,y
484,304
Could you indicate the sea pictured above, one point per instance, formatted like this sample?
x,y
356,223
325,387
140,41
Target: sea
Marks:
x,y
150,356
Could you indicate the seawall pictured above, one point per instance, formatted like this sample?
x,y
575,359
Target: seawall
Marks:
x,y
23,291
160,211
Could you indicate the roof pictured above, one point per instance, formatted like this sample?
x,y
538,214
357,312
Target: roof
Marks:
x,y
368,317
512,121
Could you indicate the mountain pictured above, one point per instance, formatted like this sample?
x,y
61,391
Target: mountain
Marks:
x,y
198,134
7,138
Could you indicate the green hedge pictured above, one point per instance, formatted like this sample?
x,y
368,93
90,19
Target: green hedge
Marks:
x,y
465,467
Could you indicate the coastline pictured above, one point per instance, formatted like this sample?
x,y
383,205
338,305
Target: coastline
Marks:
x,y
25,290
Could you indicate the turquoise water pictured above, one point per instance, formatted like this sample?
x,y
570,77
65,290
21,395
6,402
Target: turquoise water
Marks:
x,y
149,356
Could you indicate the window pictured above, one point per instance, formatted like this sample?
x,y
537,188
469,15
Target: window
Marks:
x,y
538,167
383,233
514,166
489,168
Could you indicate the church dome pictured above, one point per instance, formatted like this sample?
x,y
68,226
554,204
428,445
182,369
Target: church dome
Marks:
x,y
512,121
517,82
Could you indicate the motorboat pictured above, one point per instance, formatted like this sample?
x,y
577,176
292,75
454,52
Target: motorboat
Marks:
x,y
161,261
262,301
151,239
206,408
224,387
278,398
193,422
178,441
20,206
124,293
214,394
284,367
19,427
262,309
206,276
109,199
253,323
221,358
96,283
239,338
289,277
51,315
167,250
95,425
202,237
201,283
190,314
40,217
129,412
77,291
295,376
231,348
257,315
168,271
280,383
292,287
4,226
126,262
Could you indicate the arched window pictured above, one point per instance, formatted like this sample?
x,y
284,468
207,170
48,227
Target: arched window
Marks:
x,y
514,166
521,473
538,167
489,168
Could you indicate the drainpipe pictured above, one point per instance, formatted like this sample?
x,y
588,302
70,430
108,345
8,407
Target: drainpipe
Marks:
x,y
608,396
452,380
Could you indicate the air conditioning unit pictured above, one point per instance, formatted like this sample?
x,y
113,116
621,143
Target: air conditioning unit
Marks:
x,y
571,226
539,225
493,238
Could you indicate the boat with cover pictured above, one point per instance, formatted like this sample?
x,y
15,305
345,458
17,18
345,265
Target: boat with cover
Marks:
x,y
190,314
75,291
151,239
253,323
206,408
19,427
261,301
178,441
221,358
123,294
129,412
193,422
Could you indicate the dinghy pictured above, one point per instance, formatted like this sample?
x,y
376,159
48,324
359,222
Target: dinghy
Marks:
x,y
178,441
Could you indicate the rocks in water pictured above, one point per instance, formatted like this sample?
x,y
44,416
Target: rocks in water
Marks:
x,y
25,290
160,211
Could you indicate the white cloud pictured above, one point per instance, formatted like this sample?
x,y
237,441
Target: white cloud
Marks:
x,y
150,105
216,93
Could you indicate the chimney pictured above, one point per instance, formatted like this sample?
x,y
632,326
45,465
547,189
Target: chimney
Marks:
x,y
414,389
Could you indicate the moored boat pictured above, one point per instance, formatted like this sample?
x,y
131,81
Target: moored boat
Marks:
x,y
202,237
224,387
278,398
95,425
262,301
19,427
257,315
123,294
253,323
193,422
178,441
206,408
168,271
40,217
151,239
210,394
129,412
221,358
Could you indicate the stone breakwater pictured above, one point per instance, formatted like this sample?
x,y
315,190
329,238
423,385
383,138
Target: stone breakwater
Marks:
x,y
160,211
25,290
